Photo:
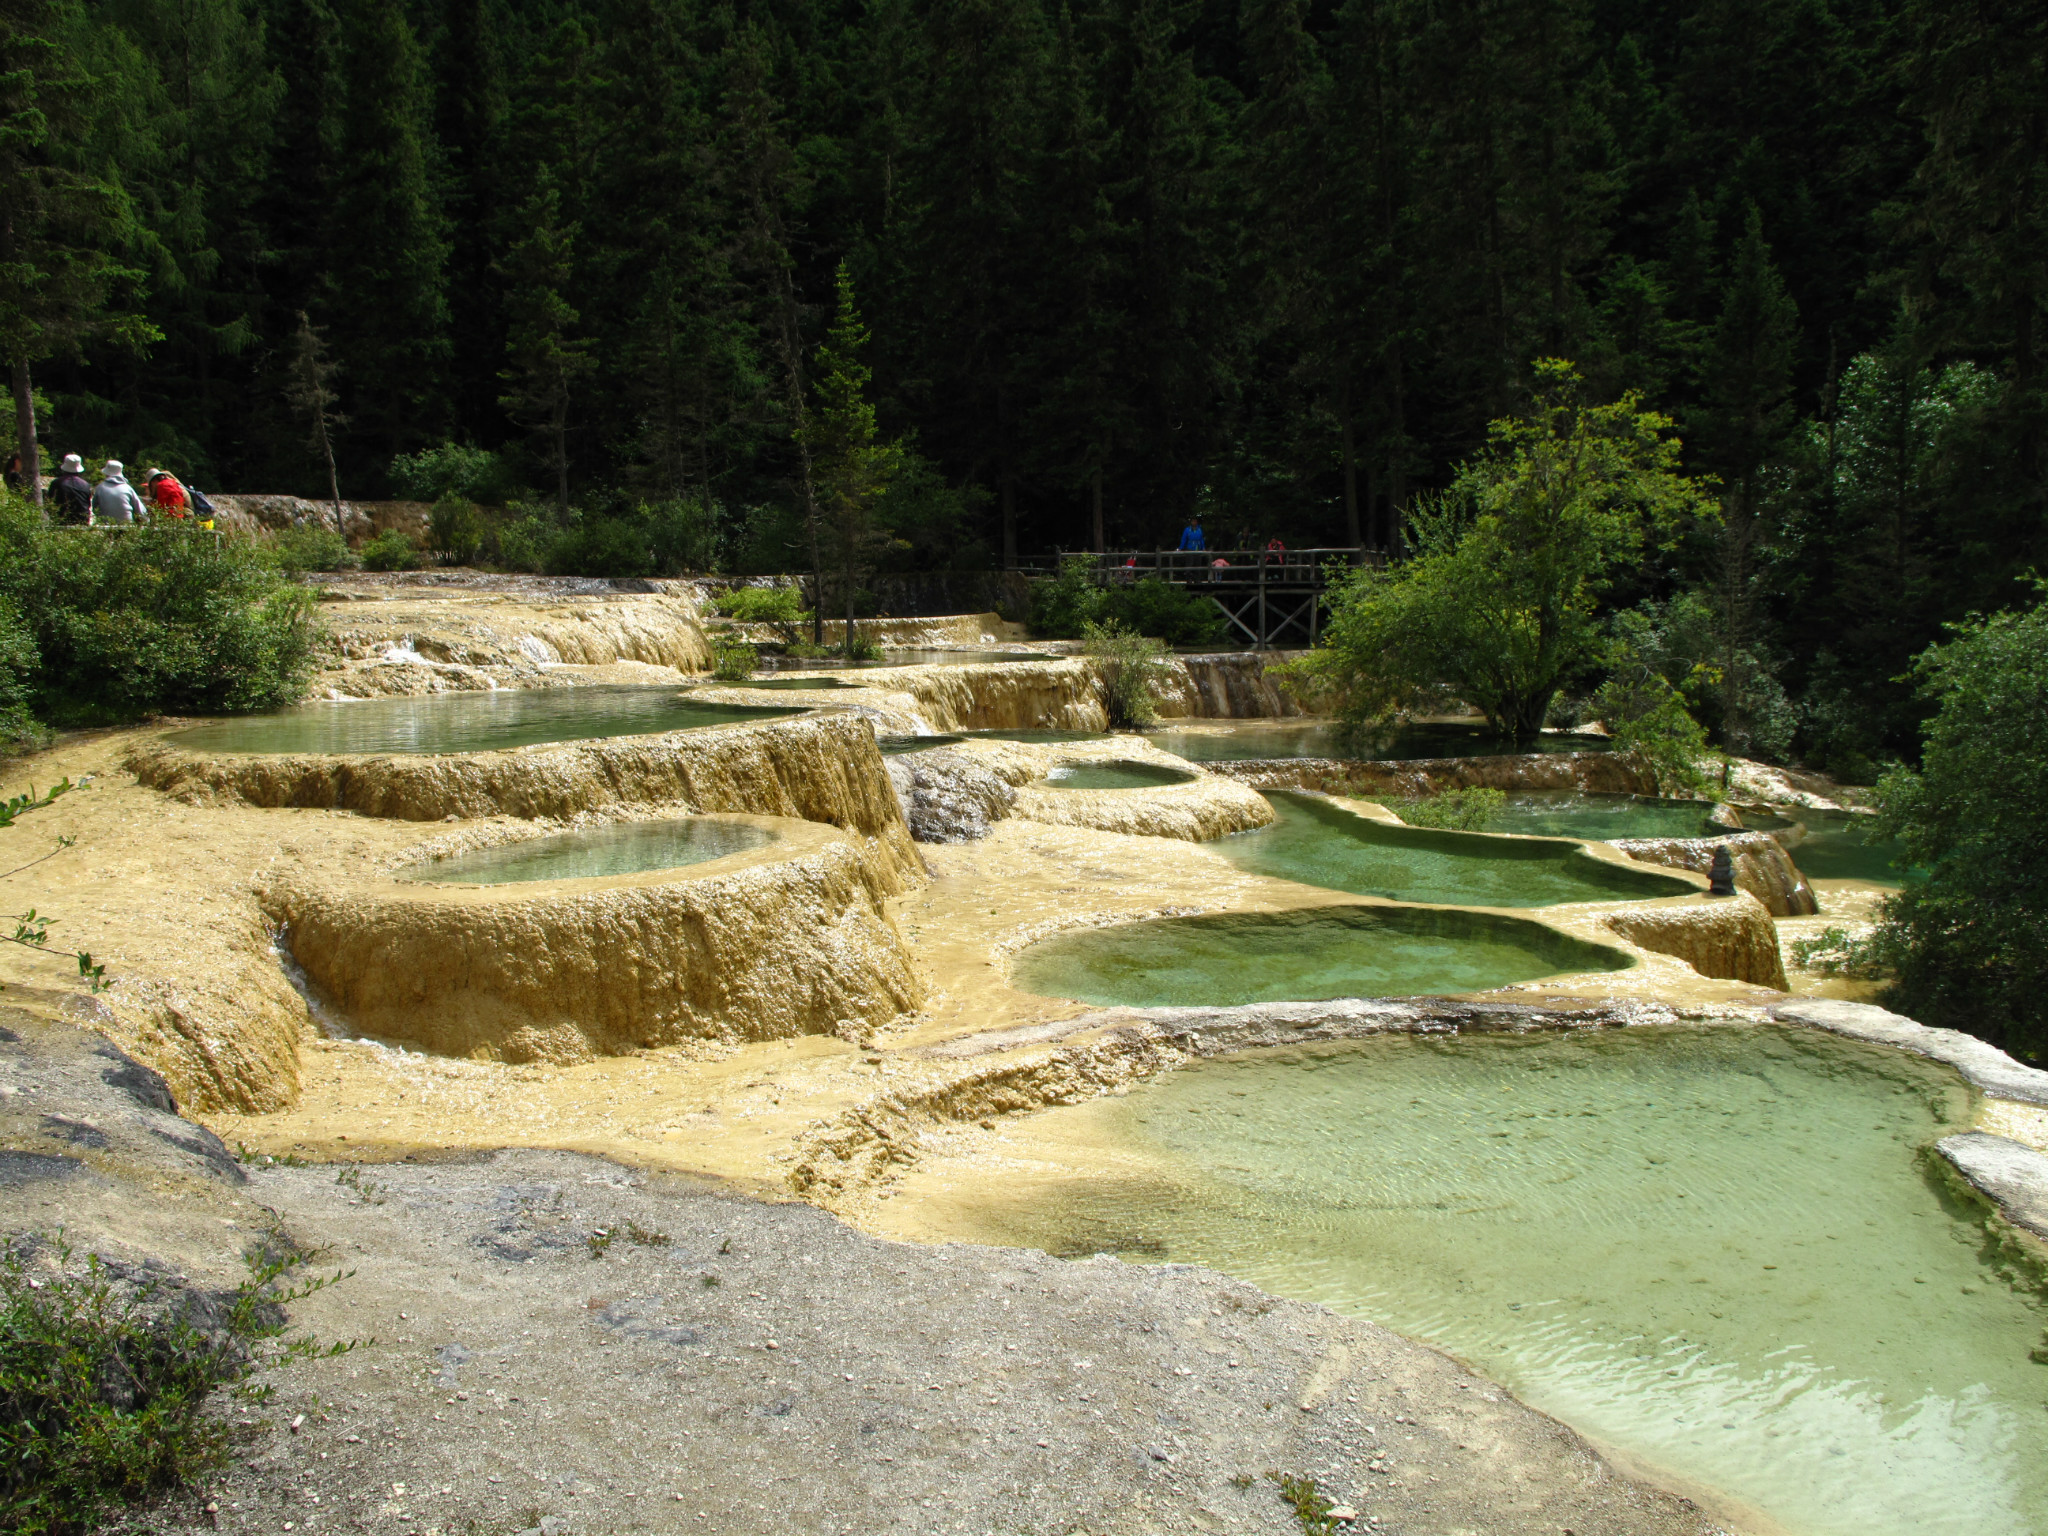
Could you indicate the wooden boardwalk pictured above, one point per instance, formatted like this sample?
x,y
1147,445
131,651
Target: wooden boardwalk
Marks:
x,y
1270,598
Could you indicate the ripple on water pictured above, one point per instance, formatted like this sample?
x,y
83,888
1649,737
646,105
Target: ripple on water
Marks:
x,y
1716,1250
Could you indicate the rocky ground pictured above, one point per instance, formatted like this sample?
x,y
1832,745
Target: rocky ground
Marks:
x,y
552,1342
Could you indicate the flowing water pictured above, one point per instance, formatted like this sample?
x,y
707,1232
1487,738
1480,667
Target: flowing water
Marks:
x,y
1317,843
1115,776
624,848
1717,1250
469,722
1225,959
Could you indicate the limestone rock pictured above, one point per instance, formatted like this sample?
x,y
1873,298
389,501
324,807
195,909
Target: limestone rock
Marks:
x,y
947,797
1733,939
1762,867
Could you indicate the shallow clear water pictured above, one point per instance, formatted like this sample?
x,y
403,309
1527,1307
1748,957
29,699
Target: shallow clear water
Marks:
x,y
1834,849
1317,843
1537,813
1716,1250
903,658
626,848
897,746
792,682
1036,735
1225,959
469,722
1115,776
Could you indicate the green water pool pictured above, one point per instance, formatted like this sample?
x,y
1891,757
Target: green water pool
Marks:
x,y
1317,843
1274,739
1229,958
1718,1250
625,848
1537,813
793,682
1835,848
1115,776
469,722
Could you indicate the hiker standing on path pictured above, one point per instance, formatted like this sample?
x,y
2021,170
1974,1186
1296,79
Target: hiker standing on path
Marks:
x,y
114,499
1191,536
72,493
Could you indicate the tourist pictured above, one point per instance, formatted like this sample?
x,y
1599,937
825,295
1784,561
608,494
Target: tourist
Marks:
x,y
71,492
114,499
17,477
1276,551
1191,539
166,495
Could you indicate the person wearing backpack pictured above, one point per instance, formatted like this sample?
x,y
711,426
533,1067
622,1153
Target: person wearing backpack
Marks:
x,y
114,499
166,495
71,493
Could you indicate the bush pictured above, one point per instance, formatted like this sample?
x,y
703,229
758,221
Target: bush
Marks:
x,y
310,547
860,647
1456,810
104,1378
455,530
156,619
783,607
682,536
1063,606
732,661
390,551
1969,939
1130,668
525,541
601,546
19,664
451,471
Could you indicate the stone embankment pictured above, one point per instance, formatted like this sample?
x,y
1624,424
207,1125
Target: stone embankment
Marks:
x,y
788,940
1732,938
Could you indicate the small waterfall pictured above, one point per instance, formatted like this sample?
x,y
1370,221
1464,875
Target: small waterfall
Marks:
x,y
1235,686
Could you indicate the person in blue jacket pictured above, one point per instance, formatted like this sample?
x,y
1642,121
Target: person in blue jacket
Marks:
x,y
1191,536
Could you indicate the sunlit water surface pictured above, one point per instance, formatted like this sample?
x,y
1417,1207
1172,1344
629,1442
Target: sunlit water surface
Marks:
x,y
1317,843
469,722
1717,1251
625,848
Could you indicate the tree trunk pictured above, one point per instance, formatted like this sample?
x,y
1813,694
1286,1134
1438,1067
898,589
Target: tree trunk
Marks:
x,y
25,431
1101,541
333,479
1354,534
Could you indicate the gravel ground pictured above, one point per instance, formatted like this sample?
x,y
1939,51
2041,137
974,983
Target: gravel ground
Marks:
x,y
556,1343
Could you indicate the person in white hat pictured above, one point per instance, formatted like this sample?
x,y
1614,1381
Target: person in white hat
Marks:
x,y
71,492
114,499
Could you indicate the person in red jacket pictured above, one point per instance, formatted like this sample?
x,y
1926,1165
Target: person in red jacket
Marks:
x,y
166,495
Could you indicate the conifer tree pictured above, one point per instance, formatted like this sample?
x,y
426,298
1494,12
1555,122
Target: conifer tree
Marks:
x,y
853,464
546,356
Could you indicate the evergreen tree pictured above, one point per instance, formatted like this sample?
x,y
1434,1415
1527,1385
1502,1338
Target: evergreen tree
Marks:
x,y
854,466
546,357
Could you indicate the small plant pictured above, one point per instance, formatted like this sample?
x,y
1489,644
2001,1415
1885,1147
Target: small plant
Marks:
x,y
32,929
1242,1482
732,661
390,551
365,1191
645,1237
311,547
1311,1509
599,1242
859,647
104,1379
803,650
1835,951
1456,810
244,1153
1130,669
711,1282
783,607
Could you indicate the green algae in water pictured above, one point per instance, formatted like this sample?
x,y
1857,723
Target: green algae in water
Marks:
x,y
1717,1250
1835,848
626,848
1115,776
1225,959
1535,813
469,722
1317,843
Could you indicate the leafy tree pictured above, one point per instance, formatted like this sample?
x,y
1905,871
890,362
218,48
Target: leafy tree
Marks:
x,y
1500,605
1969,939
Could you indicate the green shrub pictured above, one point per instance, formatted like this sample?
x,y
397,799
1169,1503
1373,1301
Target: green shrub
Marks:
x,y
1130,668
782,607
105,1375
601,546
390,551
20,662
860,647
1063,606
451,471
1457,810
311,547
1835,951
732,660
524,542
682,536
157,619
455,530
1969,938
